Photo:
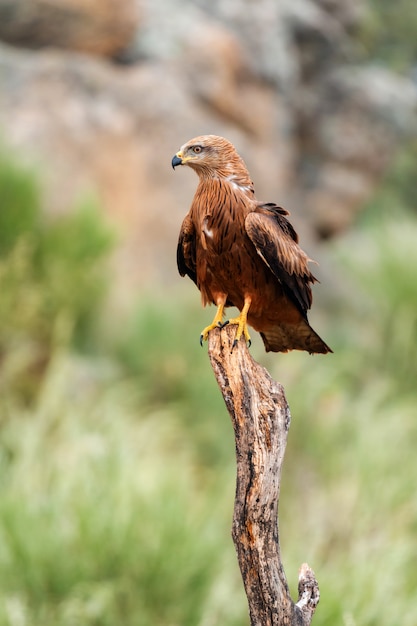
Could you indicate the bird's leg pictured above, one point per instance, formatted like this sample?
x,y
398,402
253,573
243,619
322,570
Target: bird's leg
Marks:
x,y
241,321
217,322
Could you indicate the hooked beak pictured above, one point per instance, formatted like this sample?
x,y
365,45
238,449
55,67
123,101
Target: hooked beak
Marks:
x,y
176,160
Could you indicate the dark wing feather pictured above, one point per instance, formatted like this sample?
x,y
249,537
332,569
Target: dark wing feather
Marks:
x,y
276,243
186,250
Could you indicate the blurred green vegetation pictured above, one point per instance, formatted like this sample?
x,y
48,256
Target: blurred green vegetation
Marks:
x,y
388,33
117,454
51,276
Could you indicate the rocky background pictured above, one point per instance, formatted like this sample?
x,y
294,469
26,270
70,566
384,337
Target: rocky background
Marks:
x,y
100,94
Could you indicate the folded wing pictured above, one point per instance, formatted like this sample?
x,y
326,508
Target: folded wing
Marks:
x,y
276,243
186,250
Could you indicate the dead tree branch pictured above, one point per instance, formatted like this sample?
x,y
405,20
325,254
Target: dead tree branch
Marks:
x,y
261,419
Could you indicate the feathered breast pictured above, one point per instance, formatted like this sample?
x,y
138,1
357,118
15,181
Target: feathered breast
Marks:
x,y
218,212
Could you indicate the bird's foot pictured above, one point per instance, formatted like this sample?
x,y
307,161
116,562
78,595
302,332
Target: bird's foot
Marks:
x,y
216,323
205,332
242,329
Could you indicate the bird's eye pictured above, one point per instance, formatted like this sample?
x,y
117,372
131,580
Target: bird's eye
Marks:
x,y
197,149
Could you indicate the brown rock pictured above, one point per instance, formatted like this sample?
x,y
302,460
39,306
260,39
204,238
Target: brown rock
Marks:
x,y
350,126
102,27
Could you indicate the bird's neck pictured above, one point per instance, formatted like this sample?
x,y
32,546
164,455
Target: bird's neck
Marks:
x,y
235,179
220,195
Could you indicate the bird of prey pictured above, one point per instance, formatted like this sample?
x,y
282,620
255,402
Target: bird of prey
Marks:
x,y
244,253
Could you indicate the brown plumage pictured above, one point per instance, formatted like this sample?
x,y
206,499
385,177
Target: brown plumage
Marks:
x,y
244,253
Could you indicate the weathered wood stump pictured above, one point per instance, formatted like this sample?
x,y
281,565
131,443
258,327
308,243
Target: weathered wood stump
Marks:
x,y
261,420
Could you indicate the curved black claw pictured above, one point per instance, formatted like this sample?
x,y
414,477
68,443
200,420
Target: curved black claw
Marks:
x,y
201,340
224,324
236,341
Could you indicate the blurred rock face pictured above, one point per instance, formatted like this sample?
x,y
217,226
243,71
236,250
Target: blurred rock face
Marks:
x,y
102,27
276,78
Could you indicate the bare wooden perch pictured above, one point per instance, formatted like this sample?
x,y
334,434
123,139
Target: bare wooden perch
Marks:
x,y
261,419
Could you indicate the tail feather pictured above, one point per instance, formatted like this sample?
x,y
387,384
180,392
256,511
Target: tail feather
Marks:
x,y
301,336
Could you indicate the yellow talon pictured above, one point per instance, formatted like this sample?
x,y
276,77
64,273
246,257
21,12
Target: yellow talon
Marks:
x,y
217,321
242,326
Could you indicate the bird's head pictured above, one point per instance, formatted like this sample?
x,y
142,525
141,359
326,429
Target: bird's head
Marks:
x,y
211,157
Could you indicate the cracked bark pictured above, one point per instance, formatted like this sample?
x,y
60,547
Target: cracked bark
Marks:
x,y
261,420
